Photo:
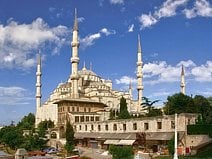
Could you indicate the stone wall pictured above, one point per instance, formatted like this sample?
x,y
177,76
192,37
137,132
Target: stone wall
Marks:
x,y
149,124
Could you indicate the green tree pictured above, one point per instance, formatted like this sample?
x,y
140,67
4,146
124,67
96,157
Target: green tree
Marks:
x,y
123,114
43,127
27,122
210,100
11,136
121,152
34,142
148,105
155,112
69,137
179,103
203,107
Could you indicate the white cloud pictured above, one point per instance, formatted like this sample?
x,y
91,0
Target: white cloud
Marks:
x,y
189,13
126,80
89,40
117,1
147,20
131,28
80,19
160,71
14,96
19,42
107,32
168,9
203,73
188,63
201,8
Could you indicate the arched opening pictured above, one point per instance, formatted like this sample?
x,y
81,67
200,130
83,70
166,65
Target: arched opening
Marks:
x,y
53,135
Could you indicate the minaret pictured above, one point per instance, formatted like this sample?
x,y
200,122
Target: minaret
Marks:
x,y
38,90
182,84
75,59
139,76
130,89
38,82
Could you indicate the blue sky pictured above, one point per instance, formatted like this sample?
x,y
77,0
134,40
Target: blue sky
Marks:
x,y
173,32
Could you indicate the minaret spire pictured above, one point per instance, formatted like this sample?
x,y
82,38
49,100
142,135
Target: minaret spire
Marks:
x,y
182,84
38,81
38,88
84,66
130,89
75,60
75,20
90,66
139,76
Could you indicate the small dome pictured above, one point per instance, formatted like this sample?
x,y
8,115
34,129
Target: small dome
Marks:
x,y
84,71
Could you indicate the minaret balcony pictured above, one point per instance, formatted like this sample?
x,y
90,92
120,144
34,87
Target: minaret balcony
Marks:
x,y
140,87
75,59
139,63
74,44
182,85
74,77
139,75
38,73
38,85
38,96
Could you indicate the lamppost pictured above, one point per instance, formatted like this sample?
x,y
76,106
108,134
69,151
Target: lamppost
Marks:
x,y
175,138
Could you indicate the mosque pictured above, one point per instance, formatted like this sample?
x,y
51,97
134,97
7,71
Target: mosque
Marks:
x,y
85,96
86,99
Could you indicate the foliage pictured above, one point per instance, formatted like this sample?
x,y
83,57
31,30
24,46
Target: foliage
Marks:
x,y
210,100
11,136
69,137
179,103
148,105
43,126
123,114
203,107
46,124
200,129
34,142
121,152
171,146
28,122
155,112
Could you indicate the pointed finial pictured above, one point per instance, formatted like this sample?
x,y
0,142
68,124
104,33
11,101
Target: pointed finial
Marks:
x,y
139,44
90,66
130,84
75,21
39,58
182,72
84,67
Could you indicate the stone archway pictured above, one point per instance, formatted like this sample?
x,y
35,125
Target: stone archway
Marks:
x,y
53,135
